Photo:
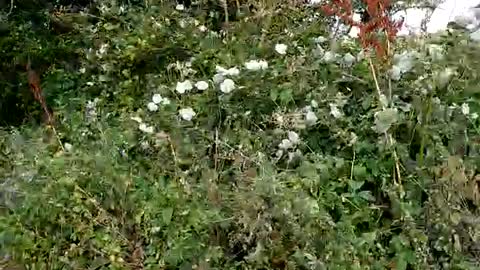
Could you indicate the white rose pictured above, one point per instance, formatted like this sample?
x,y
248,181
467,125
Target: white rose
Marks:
x,y
281,48
187,114
227,86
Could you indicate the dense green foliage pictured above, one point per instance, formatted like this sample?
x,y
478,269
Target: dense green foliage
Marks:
x,y
288,169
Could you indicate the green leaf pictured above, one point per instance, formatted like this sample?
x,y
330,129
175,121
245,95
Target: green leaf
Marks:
x,y
308,170
385,119
359,172
285,96
355,185
274,94
167,215
366,195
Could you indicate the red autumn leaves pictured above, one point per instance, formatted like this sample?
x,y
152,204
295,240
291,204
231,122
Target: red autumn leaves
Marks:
x,y
379,22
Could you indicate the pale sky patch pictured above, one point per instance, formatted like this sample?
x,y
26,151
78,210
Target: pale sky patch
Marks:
x,y
445,13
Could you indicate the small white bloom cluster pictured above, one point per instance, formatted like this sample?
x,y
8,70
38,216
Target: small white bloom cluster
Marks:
x,y
310,116
183,87
68,147
291,142
289,145
143,126
102,50
91,110
256,65
157,100
329,57
336,107
223,78
281,48
335,111
435,51
443,77
180,7
465,108
186,86
227,85
202,28
403,63
320,39
348,60
201,85
187,113
185,68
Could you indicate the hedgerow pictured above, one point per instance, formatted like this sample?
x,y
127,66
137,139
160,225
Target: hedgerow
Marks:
x,y
270,144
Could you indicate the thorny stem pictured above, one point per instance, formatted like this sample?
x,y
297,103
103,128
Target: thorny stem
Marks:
x,y
374,74
172,149
395,156
389,79
58,138
397,174
425,120
353,165
11,8
225,9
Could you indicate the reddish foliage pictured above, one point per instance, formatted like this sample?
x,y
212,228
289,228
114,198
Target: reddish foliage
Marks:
x,y
34,83
379,22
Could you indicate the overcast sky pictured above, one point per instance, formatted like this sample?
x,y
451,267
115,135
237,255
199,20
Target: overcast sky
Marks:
x,y
443,14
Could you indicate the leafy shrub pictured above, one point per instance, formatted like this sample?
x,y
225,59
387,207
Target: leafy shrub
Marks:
x,y
286,167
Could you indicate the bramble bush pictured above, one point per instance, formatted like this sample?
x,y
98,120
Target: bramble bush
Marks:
x,y
270,144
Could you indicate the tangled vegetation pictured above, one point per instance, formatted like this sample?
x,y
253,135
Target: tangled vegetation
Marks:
x,y
182,142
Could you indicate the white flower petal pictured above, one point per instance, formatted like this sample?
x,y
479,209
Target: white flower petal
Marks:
x,y
465,109
348,59
405,60
233,71
136,119
227,86
395,73
157,98
311,118
329,57
152,107
187,114
335,111
320,39
285,144
145,128
293,137
281,48
165,101
68,147
184,86
201,85
256,65
218,78
180,7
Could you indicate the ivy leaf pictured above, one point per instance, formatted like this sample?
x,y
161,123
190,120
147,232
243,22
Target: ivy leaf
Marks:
x,y
385,119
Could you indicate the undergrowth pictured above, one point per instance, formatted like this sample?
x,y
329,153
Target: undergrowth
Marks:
x,y
267,145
